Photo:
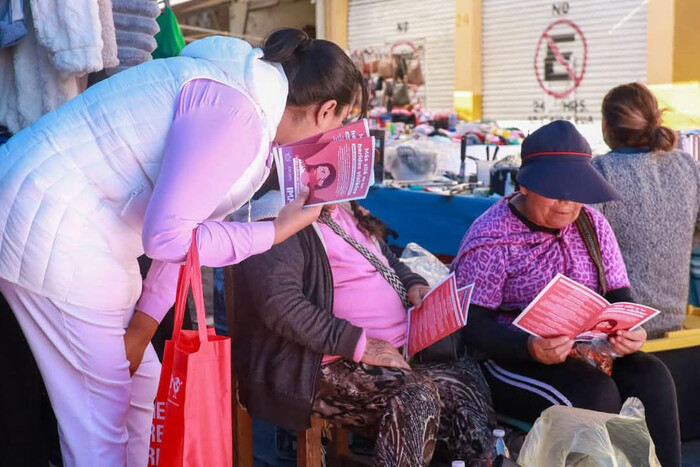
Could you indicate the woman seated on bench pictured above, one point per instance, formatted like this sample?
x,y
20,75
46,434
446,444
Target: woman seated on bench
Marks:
x,y
513,250
318,332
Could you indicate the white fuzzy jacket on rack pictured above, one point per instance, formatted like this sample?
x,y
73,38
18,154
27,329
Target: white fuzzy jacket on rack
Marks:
x,y
64,42
71,33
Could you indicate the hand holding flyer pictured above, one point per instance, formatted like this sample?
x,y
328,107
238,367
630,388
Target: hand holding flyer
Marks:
x,y
443,311
336,165
567,308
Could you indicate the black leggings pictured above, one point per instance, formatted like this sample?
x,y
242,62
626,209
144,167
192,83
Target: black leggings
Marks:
x,y
522,390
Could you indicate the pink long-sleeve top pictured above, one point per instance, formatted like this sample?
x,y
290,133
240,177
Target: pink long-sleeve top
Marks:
x,y
212,140
360,294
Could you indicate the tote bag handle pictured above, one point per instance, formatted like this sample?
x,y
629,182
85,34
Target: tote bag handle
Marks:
x,y
190,274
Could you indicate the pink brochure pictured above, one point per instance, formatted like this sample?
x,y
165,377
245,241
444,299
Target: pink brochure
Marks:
x,y
443,311
336,171
566,308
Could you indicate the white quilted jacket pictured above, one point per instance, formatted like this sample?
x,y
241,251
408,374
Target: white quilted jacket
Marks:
x,y
74,186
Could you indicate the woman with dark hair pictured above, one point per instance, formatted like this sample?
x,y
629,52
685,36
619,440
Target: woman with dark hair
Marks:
x,y
135,164
657,218
321,336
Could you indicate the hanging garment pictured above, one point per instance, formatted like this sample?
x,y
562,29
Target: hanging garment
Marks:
x,y
12,27
30,86
136,26
71,33
49,66
109,34
170,39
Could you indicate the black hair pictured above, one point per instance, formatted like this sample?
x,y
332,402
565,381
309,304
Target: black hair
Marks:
x,y
368,224
331,175
317,70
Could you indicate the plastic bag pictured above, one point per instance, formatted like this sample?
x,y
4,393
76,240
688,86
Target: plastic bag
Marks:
x,y
416,158
597,352
566,436
422,262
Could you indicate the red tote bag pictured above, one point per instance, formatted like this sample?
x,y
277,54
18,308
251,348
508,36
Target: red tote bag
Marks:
x,y
192,419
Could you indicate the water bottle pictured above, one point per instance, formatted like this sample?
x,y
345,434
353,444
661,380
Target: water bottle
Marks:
x,y
499,444
452,122
508,186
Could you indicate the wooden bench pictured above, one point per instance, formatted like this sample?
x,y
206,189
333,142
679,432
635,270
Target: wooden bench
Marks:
x,y
689,336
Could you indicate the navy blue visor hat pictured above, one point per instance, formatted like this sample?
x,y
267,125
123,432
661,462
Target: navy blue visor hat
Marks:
x,y
557,165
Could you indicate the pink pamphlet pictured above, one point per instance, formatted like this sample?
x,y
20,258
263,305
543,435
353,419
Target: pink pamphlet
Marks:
x,y
337,165
443,311
566,308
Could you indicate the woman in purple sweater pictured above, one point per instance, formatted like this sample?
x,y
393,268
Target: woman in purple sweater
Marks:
x,y
512,252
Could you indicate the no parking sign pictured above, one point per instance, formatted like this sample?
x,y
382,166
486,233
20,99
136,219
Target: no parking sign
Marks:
x,y
560,59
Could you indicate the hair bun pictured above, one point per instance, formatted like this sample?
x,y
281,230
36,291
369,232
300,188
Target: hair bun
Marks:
x,y
662,138
303,45
317,70
633,119
283,45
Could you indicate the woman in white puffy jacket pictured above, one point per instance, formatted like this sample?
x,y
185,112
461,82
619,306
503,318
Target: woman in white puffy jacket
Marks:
x,y
131,165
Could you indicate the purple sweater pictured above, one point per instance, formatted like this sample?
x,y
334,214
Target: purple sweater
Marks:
x,y
207,149
510,260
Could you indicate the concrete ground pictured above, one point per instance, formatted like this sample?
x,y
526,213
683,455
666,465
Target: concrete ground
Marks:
x,y
266,453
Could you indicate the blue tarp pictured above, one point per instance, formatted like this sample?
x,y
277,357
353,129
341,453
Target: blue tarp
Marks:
x,y
435,222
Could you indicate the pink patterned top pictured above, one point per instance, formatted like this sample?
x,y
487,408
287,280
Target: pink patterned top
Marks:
x,y
511,263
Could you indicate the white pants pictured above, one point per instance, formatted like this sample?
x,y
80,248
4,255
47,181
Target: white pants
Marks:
x,y
104,415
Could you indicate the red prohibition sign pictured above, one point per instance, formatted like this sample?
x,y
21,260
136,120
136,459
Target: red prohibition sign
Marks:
x,y
575,78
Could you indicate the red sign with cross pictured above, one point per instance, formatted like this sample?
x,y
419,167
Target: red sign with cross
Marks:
x,y
560,59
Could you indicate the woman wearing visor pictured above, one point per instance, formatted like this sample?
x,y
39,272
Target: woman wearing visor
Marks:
x,y
514,250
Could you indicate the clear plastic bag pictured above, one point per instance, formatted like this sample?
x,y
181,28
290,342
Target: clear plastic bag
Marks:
x,y
597,352
566,436
415,159
422,262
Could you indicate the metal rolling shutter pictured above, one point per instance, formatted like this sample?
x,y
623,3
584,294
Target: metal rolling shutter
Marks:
x,y
616,39
375,23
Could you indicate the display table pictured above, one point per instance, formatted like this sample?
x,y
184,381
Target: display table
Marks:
x,y
435,222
